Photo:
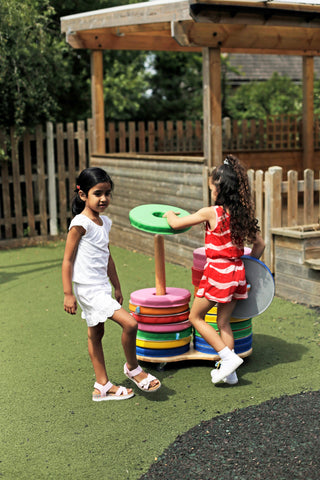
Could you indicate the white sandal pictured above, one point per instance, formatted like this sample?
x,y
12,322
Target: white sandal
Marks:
x,y
145,383
120,394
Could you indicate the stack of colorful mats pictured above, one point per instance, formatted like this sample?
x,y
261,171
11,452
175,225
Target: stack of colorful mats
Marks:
x,y
242,329
163,326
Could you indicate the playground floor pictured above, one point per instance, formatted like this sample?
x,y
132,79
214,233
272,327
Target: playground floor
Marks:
x,y
276,440
266,427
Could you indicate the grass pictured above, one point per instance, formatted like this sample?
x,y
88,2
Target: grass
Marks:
x,y
50,428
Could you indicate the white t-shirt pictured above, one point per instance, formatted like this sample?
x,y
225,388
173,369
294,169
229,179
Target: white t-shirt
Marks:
x,y
91,262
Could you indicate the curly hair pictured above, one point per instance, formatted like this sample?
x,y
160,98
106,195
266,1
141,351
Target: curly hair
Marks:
x,y
233,194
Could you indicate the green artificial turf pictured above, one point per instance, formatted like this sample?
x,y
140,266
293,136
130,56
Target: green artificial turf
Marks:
x,y
50,428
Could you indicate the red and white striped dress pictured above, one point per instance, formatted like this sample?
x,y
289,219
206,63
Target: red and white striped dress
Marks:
x,y
224,274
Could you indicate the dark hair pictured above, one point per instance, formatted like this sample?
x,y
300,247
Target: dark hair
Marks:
x,y
233,194
87,179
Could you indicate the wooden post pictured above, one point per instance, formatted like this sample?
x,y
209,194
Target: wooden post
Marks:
x,y
273,209
160,268
97,101
308,145
212,121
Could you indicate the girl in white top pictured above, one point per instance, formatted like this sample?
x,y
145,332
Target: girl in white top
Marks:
x,y
88,264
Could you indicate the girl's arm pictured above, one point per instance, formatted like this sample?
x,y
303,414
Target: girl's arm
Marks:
x,y
258,246
73,239
206,214
114,279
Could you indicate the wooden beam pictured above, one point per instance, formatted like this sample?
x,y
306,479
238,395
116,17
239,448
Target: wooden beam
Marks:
x,y
118,39
98,101
212,119
247,37
191,36
308,142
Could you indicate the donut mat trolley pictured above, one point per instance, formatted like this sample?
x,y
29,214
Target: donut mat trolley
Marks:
x,y
164,331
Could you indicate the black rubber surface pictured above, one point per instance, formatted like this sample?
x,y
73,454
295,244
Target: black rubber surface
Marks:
x,y
276,440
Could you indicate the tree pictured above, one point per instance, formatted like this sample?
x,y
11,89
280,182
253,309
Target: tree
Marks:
x,y
29,72
278,95
41,77
175,87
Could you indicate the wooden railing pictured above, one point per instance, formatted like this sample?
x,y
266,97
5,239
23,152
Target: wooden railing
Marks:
x,y
284,202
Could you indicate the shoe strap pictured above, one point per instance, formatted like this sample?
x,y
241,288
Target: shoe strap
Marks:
x,y
103,388
133,373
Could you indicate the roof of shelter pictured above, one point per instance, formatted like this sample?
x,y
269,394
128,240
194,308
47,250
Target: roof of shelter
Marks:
x,y
290,27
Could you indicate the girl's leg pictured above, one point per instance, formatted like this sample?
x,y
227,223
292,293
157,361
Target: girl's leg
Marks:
x,y
198,312
230,361
128,340
95,335
224,311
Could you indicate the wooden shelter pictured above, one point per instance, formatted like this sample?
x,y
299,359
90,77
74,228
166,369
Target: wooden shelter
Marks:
x,y
284,27
288,27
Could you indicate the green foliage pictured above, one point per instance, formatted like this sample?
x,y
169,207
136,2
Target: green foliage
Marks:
x,y
42,78
175,89
278,95
28,71
125,84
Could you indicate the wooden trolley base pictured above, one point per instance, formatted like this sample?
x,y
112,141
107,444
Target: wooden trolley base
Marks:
x,y
192,354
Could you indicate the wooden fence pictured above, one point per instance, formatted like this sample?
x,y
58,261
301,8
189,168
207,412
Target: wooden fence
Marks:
x,y
282,132
37,182
284,202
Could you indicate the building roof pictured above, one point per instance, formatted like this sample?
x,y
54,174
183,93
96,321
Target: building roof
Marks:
x,y
261,67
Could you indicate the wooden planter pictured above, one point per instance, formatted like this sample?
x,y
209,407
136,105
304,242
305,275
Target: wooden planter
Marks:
x,y
297,263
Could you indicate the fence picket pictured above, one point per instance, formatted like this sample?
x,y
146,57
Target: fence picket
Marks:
x,y
259,194
16,184
161,136
28,183
4,170
41,181
122,137
132,137
61,178
151,136
308,197
170,143
292,213
71,160
112,137
142,137
81,145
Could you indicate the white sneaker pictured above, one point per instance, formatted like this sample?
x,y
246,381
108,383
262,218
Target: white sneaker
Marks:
x,y
227,367
231,379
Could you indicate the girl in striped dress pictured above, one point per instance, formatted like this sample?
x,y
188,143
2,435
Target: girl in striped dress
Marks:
x,y
228,225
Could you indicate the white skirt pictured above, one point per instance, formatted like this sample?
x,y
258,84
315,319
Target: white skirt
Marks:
x,y
96,302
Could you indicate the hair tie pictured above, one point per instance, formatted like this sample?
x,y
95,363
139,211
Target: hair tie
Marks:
x,y
226,161
78,187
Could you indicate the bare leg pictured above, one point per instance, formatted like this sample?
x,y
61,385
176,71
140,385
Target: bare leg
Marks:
x,y
224,311
230,361
128,339
95,335
198,312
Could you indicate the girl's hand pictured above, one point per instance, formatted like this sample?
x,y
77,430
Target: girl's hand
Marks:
x,y
118,295
70,304
206,214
